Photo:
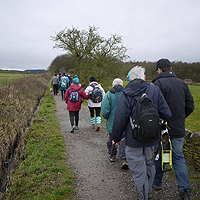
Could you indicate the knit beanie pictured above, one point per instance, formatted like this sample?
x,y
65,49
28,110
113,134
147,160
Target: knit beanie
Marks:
x,y
76,80
92,78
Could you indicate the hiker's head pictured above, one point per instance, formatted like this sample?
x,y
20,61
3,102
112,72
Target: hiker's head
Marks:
x,y
76,80
163,65
137,72
117,81
92,79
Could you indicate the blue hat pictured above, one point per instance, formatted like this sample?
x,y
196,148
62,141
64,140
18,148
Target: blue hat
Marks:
x,y
76,80
128,76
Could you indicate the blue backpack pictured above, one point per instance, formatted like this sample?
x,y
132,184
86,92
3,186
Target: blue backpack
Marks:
x,y
74,96
97,96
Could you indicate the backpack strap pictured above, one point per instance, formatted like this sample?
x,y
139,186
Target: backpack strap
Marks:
x,y
117,97
92,86
75,90
151,90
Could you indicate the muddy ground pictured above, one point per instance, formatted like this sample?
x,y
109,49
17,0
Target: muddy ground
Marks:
x,y
96,177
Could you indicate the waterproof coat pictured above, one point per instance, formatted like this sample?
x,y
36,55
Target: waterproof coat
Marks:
x,y
179,99
109,105
67,84
126,108
89,89
75,106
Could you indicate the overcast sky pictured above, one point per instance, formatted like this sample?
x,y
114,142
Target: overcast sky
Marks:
x,y
150,29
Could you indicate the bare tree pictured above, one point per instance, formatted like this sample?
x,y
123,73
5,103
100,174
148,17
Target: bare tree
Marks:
x,y
90,49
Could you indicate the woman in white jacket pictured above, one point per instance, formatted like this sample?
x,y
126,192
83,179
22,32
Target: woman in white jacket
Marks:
x,y
94,106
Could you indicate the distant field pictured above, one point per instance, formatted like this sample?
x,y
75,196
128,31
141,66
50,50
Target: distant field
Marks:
x,y
7,77
192,122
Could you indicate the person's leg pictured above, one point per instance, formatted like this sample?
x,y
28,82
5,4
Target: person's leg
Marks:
x,y
180,168
76,119
92,118
109,145
150,167
157,183
54,90
122,146
137,164
122,154
112,151
57,88
71,117
61,93
98,117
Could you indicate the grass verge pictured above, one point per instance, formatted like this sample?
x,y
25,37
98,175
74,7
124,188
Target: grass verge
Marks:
x,y
44,173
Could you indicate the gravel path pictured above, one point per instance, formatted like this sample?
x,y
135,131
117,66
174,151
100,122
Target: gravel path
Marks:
x,y
96,177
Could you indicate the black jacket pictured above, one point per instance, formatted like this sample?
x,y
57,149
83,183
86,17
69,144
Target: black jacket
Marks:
x,y
179,99
126,107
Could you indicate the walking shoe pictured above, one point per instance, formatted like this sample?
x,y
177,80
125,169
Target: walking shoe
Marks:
x,y
156,187
185,195
72,130
113,158
98,128
124,164
76,128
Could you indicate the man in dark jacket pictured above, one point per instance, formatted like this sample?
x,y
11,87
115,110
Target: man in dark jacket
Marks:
x,y
138,154
181,104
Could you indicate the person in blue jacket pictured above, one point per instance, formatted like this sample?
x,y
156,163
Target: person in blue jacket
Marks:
x,y
181,103
63,84
138,153
108,107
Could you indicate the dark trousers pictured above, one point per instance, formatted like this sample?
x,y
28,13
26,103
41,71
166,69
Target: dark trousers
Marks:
x,y
96,109
63,94
122,146
55,89
72,115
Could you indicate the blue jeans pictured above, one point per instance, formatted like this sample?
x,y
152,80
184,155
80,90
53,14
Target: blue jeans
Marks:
x,y
179,165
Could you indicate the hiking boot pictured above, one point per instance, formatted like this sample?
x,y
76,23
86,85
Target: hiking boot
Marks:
x,y
72,130
76,128
98,128
185,195
156,187
124,164
113,158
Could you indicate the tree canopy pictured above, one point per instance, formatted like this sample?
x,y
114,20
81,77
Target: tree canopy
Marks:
x,y
95,55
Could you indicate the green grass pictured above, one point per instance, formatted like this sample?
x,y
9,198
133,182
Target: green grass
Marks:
x,y
192,122
44,174
7,77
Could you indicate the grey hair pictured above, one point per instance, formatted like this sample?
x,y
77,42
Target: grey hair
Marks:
x,y
117,81
137,72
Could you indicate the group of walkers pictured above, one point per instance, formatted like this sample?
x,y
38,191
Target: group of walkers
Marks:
x,y
60,82
136,137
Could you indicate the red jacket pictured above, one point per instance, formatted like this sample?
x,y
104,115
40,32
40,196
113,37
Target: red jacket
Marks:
x,y
71,106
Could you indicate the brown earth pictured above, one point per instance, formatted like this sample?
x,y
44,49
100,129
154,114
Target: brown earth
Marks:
x,y
96,177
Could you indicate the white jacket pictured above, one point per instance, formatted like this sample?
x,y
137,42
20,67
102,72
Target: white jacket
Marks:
x,y
89,89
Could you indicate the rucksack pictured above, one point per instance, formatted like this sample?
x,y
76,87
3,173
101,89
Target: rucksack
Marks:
x,y
146,124
74,96
63,83
97,96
